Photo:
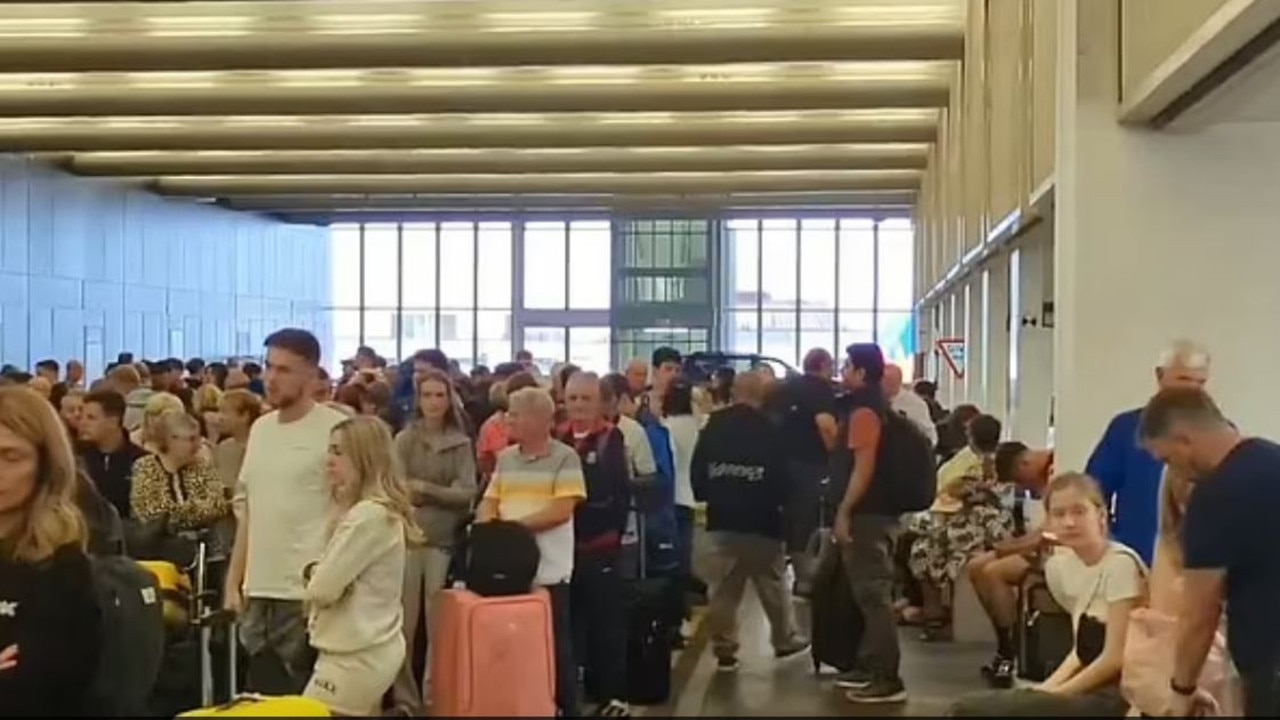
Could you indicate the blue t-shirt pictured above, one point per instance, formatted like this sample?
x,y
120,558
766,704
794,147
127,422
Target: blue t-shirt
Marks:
x,y
1130,478
1231,526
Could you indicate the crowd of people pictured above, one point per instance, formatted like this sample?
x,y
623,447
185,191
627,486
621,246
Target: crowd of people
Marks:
x,y
342,506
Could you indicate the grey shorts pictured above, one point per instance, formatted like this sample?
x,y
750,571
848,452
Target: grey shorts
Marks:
x,y
278,628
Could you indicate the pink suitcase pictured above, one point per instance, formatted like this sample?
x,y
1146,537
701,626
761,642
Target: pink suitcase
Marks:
x,y
492,657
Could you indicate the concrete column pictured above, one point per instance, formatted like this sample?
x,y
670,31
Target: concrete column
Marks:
x,y
974,380
1159,236
994,337
948,386
1031,367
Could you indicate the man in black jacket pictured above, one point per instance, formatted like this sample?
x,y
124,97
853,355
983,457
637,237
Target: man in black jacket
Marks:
x,y
108,455
741,473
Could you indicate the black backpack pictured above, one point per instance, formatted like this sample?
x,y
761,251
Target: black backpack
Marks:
x,y
906,477
905,464
133,637
503,559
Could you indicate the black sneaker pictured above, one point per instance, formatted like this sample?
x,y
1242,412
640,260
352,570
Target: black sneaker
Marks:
x,y
1002,674
727,664
878,691
854,678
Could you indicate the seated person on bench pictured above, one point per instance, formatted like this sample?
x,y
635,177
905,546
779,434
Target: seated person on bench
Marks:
x,y
966,518
996,575
1099,582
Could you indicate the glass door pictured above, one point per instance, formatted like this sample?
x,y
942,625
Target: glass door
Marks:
x,y
548,345
589,348
586,346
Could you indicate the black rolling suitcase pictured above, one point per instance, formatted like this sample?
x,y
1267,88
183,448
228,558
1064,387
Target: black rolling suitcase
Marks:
x,y
1045,635
648,631
836,625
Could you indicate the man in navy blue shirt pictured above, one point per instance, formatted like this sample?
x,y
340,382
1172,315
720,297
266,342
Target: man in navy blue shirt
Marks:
x,y
1128,474
1231,545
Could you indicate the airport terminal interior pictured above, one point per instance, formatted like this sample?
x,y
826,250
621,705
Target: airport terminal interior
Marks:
x,y
1027,205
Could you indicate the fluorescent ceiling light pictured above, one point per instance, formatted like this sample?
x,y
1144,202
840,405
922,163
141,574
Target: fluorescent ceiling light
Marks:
x,y
199,26
534,21
42,27
355,24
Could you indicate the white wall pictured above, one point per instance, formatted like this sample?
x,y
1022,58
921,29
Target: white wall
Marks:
x,y
1159,236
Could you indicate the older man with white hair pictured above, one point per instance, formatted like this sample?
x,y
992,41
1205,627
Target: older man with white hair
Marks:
x,y
907,403
538,482
1129,475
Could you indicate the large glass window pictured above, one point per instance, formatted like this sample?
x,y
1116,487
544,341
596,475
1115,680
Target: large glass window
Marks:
x,y
590,250
545,271
418,268
567,265
797,284
402,288
895,266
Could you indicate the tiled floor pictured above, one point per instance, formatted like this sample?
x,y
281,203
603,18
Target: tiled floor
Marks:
x,y
935,676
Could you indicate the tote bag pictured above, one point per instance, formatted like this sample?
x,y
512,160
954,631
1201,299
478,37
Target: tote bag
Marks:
x,y
1148,665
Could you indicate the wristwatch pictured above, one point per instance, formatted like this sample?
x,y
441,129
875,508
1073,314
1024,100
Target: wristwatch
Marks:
x,y
1183,690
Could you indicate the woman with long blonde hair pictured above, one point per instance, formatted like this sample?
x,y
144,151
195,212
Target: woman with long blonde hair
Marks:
x,y
49,627
439,463
354,589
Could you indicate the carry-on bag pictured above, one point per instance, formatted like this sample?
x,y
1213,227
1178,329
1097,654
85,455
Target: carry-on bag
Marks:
x,y
836,624
132,637
649,626
492,656
502,559
293,706
1045,635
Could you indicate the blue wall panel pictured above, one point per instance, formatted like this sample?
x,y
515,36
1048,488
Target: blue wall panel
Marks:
x,y
89,268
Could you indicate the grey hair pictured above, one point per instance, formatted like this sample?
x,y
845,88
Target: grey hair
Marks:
x,y
172,422
536,400
1185,354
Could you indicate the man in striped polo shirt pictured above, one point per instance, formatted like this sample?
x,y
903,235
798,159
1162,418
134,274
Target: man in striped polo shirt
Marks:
x,y
538,482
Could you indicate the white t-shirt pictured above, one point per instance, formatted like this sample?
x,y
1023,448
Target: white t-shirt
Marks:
x,y
917,411
636,441
683,430
1090,589
285,488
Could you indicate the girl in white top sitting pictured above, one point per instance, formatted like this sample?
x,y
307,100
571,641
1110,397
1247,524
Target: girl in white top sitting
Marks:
x,y
354,590
1099,582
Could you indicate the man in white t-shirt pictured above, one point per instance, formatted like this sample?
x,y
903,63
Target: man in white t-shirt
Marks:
x,y
283,506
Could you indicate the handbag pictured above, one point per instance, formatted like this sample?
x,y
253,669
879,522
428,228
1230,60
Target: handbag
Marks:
x,y
1148,665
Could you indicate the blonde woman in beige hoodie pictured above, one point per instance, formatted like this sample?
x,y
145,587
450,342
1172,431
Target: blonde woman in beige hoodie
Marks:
x,y
353,590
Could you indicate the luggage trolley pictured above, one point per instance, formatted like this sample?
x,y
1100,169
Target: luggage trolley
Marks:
x,y
207,615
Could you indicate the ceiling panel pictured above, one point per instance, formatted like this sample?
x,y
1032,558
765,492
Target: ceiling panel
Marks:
x,y
260,132
566,183
418,104
537,90
505,161
296,34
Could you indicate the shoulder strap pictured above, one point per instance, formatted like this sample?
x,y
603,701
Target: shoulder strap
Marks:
x,y
1114,549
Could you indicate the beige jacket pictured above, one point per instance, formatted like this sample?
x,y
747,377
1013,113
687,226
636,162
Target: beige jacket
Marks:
x,y
441,469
